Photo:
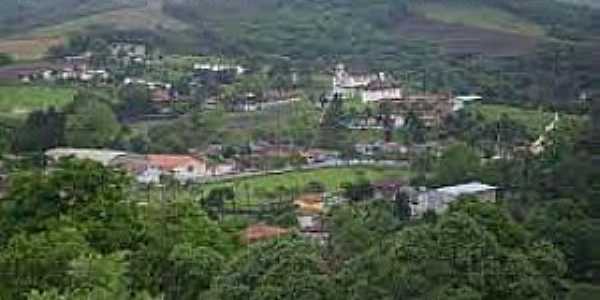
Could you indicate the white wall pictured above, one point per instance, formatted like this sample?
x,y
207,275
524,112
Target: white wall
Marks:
x,y
378,95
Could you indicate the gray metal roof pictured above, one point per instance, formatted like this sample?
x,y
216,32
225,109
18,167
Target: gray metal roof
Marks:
x,y
466,189
99,155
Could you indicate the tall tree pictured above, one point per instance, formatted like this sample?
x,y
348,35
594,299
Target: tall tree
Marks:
x,y
458,163
135,102
460,255
42,130
90,123
287,268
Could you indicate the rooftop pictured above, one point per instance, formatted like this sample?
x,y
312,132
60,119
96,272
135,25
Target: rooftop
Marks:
x,y
170,161
468,98
258,232
466,189
98,155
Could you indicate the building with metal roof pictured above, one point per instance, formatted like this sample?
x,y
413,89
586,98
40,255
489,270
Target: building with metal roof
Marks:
x,y
101,156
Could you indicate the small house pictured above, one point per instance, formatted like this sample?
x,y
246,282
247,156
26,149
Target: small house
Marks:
x,y
182,167
309,204
381,89
460,102
313,156
439,200
138,166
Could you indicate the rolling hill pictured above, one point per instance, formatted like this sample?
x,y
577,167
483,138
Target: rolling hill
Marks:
x,y
302,29
18,16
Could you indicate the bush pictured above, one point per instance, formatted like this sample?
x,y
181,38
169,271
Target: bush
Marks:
x,y
6,59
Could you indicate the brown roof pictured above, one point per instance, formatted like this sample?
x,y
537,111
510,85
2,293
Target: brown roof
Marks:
x,y
161,95
309,203
258,232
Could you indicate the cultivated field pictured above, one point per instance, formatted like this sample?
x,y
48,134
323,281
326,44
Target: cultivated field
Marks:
x,y
457,39
29,48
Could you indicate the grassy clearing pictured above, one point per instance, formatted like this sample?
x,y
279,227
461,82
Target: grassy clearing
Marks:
x,y
477,15
264,188
535,120
17,101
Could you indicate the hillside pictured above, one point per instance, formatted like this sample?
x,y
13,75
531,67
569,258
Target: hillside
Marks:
x,y
304,29
17,16
34,42
591,3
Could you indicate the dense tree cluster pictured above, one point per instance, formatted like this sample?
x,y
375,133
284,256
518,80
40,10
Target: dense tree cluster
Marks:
x,y
76,233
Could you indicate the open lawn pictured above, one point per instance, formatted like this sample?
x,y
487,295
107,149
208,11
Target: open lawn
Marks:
x,y
264,188
477,15
18,100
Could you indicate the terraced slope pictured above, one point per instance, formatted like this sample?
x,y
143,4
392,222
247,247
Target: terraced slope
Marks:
x,y
479,16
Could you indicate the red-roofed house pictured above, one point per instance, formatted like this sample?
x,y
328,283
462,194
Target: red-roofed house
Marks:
x,y
181,167
260,232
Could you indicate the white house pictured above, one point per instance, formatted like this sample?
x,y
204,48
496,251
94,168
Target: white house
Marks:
x,y
439,200
349,85
182,167
239,70
381,90
369,87
223,168
459,102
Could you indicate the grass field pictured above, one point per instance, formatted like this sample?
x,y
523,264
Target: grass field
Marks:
x,y
535,120
18,101
264,188
477,15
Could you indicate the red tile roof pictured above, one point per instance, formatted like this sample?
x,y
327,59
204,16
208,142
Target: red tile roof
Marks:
x,y
170,162
258,232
